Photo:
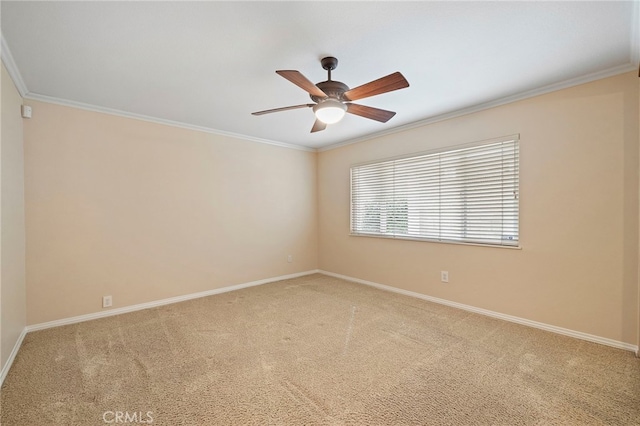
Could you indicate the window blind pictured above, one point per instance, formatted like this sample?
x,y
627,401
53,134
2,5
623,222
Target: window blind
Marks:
x,y
467,195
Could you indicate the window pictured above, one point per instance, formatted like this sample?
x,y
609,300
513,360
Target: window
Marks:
x,y
468,194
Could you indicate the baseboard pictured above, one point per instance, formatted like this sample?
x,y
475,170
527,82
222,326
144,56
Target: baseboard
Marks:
x,y
132,308
141,306
518,320
12,356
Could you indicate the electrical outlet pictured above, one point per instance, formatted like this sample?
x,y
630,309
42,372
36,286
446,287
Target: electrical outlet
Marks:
x,y
290,258
444,276
107,301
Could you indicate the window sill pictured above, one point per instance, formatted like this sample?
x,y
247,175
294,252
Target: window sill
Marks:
x,y
429,240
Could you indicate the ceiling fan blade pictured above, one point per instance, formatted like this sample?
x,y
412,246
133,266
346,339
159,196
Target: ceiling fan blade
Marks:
x,y
377,114
318,126
269,111
301,81
386,84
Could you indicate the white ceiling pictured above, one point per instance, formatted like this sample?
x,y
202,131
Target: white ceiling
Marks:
x,y
210,64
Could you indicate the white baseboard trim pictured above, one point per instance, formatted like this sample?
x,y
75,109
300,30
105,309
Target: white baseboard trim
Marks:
x,y
518,320
12,356
141,306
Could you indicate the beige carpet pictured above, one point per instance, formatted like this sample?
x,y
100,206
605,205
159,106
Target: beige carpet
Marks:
x,y
313,351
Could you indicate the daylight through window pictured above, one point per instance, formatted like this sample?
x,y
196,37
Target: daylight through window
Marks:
x,y
467,194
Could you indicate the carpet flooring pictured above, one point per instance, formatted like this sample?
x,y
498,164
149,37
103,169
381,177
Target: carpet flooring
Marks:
x,y
315,350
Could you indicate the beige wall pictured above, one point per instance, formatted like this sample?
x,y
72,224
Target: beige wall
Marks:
x,y
12,247
143,211
578,267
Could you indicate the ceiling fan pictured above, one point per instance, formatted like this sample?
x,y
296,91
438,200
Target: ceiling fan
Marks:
x,y
333,98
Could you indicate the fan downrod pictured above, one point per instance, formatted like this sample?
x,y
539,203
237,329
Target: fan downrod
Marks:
x,y
329,63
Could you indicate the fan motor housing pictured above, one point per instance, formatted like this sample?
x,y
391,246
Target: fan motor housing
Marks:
x,y
333,89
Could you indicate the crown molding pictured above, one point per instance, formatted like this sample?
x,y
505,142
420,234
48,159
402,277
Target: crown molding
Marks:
x,y
125,114
621,69
635,34
14,73
12,69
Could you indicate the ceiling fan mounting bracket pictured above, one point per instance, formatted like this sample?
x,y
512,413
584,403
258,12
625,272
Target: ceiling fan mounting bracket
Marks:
x,y
329,63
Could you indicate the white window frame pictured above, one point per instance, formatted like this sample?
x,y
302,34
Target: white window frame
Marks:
x,y
436,221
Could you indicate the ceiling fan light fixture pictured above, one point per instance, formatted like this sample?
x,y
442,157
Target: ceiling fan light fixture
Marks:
x,y
334,98
330,111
